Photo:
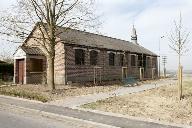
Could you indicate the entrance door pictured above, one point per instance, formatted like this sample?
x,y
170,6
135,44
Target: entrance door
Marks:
x,y
21,71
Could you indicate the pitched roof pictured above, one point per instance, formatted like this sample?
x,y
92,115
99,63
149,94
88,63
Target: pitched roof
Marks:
x,y
32,50
73,36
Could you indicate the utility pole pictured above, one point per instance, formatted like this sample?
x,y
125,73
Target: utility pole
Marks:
x,y
164,61
160,56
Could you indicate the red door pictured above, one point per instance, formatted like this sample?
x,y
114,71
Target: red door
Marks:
x,y
21,71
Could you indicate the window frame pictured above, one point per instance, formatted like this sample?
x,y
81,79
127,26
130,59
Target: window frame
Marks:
x,y
121,59
36,65
154,62
93,57
133,64
111,60
79,60
140,61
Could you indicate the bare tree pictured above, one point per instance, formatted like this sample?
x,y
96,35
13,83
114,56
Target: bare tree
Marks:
x,y
7,58
6,52
47,15
179,39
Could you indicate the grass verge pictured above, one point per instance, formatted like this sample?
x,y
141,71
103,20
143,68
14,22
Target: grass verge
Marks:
x,y
160,104
44,93
23,94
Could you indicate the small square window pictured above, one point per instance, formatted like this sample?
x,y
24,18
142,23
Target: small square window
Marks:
x,y
36,65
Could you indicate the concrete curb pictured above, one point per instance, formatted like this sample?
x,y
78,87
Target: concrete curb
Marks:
x,y
53,116
134,118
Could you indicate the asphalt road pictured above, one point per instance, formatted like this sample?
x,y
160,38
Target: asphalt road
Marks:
x,y
10,119
19,119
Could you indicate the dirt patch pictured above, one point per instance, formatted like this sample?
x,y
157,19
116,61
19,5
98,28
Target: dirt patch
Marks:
x,y
160,104
61,92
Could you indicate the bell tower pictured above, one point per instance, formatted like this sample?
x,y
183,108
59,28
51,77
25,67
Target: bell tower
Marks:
x,y
134,36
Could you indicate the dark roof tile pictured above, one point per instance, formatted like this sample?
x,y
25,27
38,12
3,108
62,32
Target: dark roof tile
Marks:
x,y
73,36
32,50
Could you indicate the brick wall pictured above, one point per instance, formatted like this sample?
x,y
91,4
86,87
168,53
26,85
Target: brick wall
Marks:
x,y
66,69
59,64
35,77
83,73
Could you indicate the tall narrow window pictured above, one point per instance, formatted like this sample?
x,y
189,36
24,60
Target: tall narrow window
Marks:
x,y
111,59
121,59
148,62
144,61
133,60
140,61
79,57
154,62
93,57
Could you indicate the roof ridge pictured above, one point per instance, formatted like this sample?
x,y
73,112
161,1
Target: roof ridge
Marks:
x,y
99,39
103,36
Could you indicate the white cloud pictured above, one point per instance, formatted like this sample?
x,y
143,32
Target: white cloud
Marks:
x,y
152,18
152,21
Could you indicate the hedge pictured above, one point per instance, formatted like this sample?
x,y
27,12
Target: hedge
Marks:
x,y
6,70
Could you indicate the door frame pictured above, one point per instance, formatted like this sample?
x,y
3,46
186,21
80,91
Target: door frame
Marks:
x,y
124,73
141,73
18,61
97,72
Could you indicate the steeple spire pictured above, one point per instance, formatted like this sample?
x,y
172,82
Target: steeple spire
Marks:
x,y
134,35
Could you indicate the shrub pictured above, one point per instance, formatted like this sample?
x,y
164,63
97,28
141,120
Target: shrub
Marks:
x,y
23,94
6,70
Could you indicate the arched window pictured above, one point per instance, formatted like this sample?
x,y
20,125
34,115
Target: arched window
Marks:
x,y
79,57
93,57
111,59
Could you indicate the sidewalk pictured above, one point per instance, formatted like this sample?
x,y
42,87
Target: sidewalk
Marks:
x,y
78,114
74,102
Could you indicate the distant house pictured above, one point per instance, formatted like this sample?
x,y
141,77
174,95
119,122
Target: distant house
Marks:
x,y
82,57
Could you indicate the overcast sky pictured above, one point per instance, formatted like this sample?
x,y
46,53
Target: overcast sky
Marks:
x,y
152,19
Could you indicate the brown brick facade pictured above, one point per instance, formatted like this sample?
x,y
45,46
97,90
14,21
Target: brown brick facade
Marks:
x,y
83,73
66,70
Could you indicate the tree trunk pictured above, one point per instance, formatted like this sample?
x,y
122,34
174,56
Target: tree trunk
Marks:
x,y
180,82
50,73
